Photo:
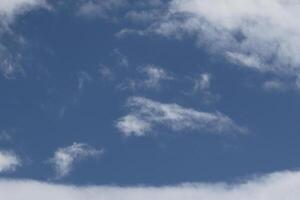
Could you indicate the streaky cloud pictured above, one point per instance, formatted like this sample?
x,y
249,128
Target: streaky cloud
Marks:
x,y
146,114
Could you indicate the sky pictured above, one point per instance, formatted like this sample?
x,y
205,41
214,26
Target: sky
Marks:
x,y
160,99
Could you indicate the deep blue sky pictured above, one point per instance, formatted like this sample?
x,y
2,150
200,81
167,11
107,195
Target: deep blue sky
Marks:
x,y
59,96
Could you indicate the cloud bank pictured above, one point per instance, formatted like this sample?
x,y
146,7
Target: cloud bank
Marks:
x,y
145,114
277,186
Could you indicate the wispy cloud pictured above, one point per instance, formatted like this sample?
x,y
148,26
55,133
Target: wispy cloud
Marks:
x,y
10,57
9,161
146,114
122,60
202,86
275,85
113,10
83,79
10,8
276,186
5,135
263,36
106,73
154,76
101,9
65,158
202,82
150,77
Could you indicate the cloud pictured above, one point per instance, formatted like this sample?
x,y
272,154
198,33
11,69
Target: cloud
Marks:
x,y
9,161
145,114
275,85
202,86
115,10
10,8
106,73
100,9
202,82
151,77
83,78
10,55
261,35
276,186
5,135
154,76
65,158
132,125
121,59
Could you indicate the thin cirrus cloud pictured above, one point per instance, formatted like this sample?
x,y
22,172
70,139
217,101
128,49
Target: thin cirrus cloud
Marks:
x,y
65,158
9,161
276,186
146,114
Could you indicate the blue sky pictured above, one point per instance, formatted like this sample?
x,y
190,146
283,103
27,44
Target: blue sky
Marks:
x,y
175,99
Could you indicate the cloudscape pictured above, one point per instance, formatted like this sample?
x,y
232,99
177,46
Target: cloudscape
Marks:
x,y
160,99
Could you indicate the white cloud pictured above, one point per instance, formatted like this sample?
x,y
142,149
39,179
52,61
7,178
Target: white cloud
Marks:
x,y
154,76
263,35
65,158
9,161
132,125
10,8
9,58
146,114
203,82
251,61
202,86
276,186
274,85
150,77
99,8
